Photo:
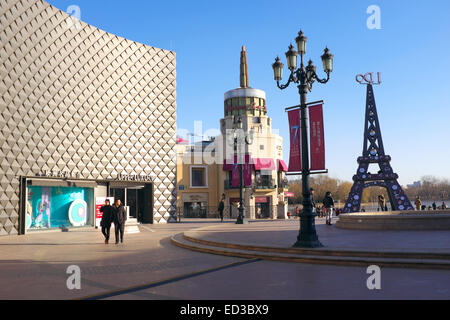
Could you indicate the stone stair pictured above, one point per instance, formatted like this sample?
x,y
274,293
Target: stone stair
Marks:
x,y
402,259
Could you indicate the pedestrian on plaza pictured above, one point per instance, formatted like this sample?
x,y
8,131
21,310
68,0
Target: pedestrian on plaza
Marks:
x,y
106,221
418,203
119,219
312,200
444,206
221,208
297,212
328,203
382,202
434,205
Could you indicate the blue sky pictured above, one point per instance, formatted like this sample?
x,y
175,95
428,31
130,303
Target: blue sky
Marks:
x,y
411,50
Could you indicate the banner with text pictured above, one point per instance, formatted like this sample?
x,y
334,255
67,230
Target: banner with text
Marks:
x,y
295,158
317,140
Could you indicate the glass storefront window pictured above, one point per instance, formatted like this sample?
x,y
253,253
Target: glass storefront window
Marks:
x,y
52,207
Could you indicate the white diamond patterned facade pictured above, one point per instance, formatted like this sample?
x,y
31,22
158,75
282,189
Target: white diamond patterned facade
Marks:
x,y
78,99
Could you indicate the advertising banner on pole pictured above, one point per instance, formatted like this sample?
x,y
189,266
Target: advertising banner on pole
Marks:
x,y
317,137
247,170
295,157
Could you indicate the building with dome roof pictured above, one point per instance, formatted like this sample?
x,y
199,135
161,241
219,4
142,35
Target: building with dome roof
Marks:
x,y
262,157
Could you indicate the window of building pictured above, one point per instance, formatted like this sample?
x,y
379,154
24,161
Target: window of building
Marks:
x,y
199,177
256,120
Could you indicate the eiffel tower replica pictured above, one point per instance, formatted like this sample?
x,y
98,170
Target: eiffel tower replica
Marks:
x,y
373,152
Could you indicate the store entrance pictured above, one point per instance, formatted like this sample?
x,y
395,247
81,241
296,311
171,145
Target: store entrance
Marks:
x,y
262,208
137,199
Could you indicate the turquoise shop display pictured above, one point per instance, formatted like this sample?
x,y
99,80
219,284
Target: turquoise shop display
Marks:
x,y
52,207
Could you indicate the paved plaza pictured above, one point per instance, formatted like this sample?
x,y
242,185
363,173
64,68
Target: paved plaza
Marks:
x,y
34,266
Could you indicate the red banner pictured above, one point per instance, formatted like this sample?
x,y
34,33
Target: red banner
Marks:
x,y
295,158
235,174
317,139
246,171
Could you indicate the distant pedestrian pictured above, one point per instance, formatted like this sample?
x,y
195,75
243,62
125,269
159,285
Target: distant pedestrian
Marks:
x,y
106,221
221,208
119,219
382,202
328,203
434,206
444,206
313,202
418,203
297,211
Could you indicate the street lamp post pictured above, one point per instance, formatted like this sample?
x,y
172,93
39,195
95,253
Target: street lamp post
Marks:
x,y
305,77
238,125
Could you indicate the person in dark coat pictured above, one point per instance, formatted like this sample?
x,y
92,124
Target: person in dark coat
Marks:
x,y
328,203
221,208
106,221
119,219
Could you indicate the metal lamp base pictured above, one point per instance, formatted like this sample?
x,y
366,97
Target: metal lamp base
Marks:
x,y
242,221
308,244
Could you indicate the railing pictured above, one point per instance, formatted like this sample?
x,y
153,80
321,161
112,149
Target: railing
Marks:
x,y
283,185
264,184
229,212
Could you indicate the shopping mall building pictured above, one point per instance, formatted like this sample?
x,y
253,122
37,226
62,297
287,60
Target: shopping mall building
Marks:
x,y
85,115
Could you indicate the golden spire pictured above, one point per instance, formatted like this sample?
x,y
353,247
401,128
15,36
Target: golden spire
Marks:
x,y
244,69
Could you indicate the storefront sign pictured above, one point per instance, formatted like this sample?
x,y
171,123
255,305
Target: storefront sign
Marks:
x,y
59,174
317,139
368,78
133,177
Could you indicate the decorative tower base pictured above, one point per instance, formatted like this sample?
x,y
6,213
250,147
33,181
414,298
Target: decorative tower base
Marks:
x,y
374,153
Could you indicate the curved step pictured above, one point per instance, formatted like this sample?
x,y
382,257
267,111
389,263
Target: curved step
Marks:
x,y
180,241
190,236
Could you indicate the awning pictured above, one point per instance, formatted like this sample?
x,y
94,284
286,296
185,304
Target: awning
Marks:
x,y
282,166
228,164
289,195
264,164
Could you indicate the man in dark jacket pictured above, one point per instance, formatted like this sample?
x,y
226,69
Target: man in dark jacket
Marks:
x,y
328,203
119,218
221,208
106,219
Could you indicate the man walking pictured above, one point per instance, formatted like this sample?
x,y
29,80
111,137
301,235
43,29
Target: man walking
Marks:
x,y
106,219
221,208
328,203
119,218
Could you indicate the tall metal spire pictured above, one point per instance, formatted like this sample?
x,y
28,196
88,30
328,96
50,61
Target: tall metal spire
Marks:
x,y
244,69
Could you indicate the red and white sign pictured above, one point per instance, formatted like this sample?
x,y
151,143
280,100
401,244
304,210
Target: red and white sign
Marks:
x,y
317,138
100,202
295,158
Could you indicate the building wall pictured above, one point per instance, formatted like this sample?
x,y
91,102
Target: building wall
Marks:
x,y
210,194
75,98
